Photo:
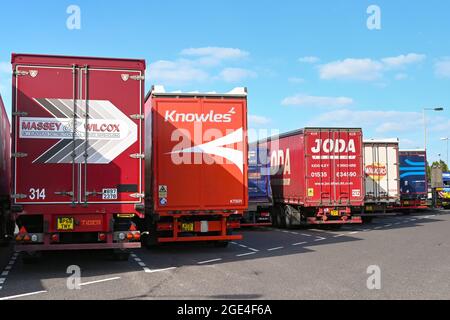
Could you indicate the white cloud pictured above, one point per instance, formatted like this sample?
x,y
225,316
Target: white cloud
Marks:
x,y
236,74
401,76
366,69
352,69
258,120
442,68
5,67
302,100
309,59
380,121
175,72
403,60
212,56
296,80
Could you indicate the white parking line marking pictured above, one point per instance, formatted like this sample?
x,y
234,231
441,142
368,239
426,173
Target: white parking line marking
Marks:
x,y
209,261
277,248
354,232
254,250
137,260
306,235
133,255
294,233
245,254
233,242
142,264
23,295
339,235
388,225
299,243
242,246
8,267
2,280
5,273
320,239
147,270
99,281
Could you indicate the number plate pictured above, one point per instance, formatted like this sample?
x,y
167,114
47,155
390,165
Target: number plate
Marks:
x,y
335,213
110,194
406,203
187,227
65,224
369,208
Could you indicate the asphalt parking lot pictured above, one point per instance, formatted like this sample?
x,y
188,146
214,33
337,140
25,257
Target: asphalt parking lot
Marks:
x,y
411,252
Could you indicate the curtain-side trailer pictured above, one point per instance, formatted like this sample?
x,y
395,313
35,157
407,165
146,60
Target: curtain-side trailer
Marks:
x,y
382,180
413,179
259,189
78,163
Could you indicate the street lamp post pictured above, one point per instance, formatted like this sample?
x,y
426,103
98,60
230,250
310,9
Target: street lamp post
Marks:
x,y
425,121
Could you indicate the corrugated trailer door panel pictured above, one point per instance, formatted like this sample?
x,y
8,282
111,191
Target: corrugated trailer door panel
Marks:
x,y
44,170
111,161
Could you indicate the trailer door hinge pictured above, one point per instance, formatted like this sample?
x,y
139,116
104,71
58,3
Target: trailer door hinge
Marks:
x,y
137,195
137,156
19,196
137,78
20,114
137,117
19,155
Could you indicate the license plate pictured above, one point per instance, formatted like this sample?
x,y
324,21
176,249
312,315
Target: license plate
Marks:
x,y
406,203
369,208
187,227
335,213
65,224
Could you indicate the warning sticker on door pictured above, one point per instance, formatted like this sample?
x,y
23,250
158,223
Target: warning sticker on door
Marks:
x,y
162,191
310,192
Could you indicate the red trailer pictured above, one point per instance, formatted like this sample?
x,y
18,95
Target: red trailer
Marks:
x,y
317,176
78,165
6,219
196,165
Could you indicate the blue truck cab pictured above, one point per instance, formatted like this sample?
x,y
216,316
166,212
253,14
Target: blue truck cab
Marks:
x,y
413,179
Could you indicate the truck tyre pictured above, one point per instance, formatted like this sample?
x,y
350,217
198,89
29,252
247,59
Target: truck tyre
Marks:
x,y
31,257
288,216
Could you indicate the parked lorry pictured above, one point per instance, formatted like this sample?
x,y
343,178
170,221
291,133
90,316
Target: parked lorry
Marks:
x,y
317,177
259,189
444,192
413,179
78,166
382,181
197,162
6,218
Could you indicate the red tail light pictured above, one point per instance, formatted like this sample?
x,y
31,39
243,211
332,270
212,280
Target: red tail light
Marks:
x,y
137,236
129,236
102,237
55,238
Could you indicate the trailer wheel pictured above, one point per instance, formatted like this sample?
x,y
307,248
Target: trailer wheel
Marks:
x,y
31,257
288,217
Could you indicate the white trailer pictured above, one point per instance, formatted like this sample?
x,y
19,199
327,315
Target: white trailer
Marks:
x,y
382,177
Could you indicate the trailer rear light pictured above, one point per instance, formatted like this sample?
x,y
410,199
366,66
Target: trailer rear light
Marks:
x,y
26,238
55,237
102,237
344,218
137,236
122,236
265,214
19,237
325,218
129,236
133,227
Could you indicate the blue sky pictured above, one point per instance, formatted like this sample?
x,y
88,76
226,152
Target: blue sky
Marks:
x,y
305,63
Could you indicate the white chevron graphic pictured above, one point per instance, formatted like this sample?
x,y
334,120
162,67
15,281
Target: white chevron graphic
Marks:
x,y
217,148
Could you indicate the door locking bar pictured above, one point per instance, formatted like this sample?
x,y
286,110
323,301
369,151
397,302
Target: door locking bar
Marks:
x,y
64,193
74,134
